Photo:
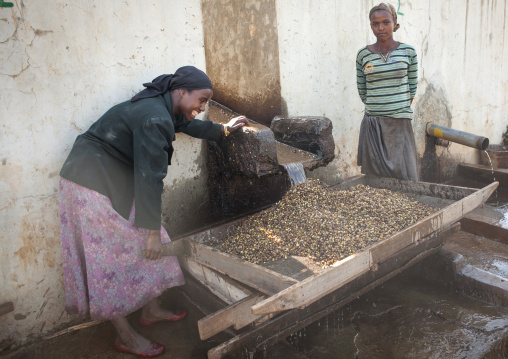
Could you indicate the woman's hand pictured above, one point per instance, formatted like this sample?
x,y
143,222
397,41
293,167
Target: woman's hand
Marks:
x,y
236,123
153,248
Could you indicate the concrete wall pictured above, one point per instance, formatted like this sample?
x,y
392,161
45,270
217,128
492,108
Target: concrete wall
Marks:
x,y
463,72
62,64
242,56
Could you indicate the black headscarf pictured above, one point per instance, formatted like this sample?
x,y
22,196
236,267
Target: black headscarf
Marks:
x,y
186,77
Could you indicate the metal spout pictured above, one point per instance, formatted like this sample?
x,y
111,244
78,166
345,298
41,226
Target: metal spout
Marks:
x,y
464,138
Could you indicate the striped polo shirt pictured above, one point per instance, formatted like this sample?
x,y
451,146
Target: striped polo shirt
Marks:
x,y
387,87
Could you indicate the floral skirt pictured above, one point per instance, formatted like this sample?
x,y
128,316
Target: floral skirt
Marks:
x,y
105,273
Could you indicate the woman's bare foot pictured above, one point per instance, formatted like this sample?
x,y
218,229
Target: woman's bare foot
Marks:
x,y
128,338
153,312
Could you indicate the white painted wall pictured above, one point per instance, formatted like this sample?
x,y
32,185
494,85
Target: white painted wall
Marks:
x,y
62,64
463,74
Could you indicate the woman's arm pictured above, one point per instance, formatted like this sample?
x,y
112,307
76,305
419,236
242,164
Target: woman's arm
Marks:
x,y
150,140
361,81
235,124
153,248
412,74
212,131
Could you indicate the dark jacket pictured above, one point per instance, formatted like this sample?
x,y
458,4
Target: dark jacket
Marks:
x,y
126,153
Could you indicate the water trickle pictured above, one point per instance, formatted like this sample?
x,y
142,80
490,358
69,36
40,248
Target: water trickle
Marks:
x,y
491,165
296,172
492,169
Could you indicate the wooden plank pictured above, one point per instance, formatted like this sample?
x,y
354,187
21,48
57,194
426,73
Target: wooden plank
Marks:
x,y
200,295
262,279
350,182
320,284
223,287
412,187
486,227
174,248
291,321
210,233
446,216
316,286
237,314
484,173
420,188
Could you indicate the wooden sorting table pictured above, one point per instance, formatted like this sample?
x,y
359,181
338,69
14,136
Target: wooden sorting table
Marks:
x,y
259,306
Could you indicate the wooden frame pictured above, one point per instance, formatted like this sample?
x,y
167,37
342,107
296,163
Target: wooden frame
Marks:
x,y
274,304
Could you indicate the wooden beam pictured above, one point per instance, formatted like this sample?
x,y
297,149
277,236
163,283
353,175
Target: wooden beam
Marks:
x,y
199,295
262,279
413,187
237,314
312,288
486,227
484,173
222,286
350,182
174,248
443,218
291,321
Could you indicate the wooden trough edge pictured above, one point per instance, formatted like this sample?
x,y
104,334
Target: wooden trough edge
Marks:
x,y
312,288
414,187
262,279
288,322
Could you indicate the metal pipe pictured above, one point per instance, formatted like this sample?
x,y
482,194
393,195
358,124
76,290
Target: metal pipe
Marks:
x,y
464,138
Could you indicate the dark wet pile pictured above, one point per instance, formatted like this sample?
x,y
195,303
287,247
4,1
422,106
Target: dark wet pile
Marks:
x,y
325,225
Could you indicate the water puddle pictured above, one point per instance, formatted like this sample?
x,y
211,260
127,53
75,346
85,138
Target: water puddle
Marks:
x,y
500,267
503,209
408,318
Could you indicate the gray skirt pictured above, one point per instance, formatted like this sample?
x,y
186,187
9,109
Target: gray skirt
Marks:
x,y
387,148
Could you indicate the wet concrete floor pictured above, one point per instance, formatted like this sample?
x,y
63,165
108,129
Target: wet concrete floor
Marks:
x,y
409,317
406,317
417,317
180,338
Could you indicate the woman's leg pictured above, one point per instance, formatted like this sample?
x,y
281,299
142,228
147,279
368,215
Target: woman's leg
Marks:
x,y
153,312
128,338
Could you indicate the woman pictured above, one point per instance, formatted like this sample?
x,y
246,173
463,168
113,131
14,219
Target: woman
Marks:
x,y
387,76
110,205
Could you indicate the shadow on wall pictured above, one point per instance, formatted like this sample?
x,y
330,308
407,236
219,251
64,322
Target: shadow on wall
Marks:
x,y
433,107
